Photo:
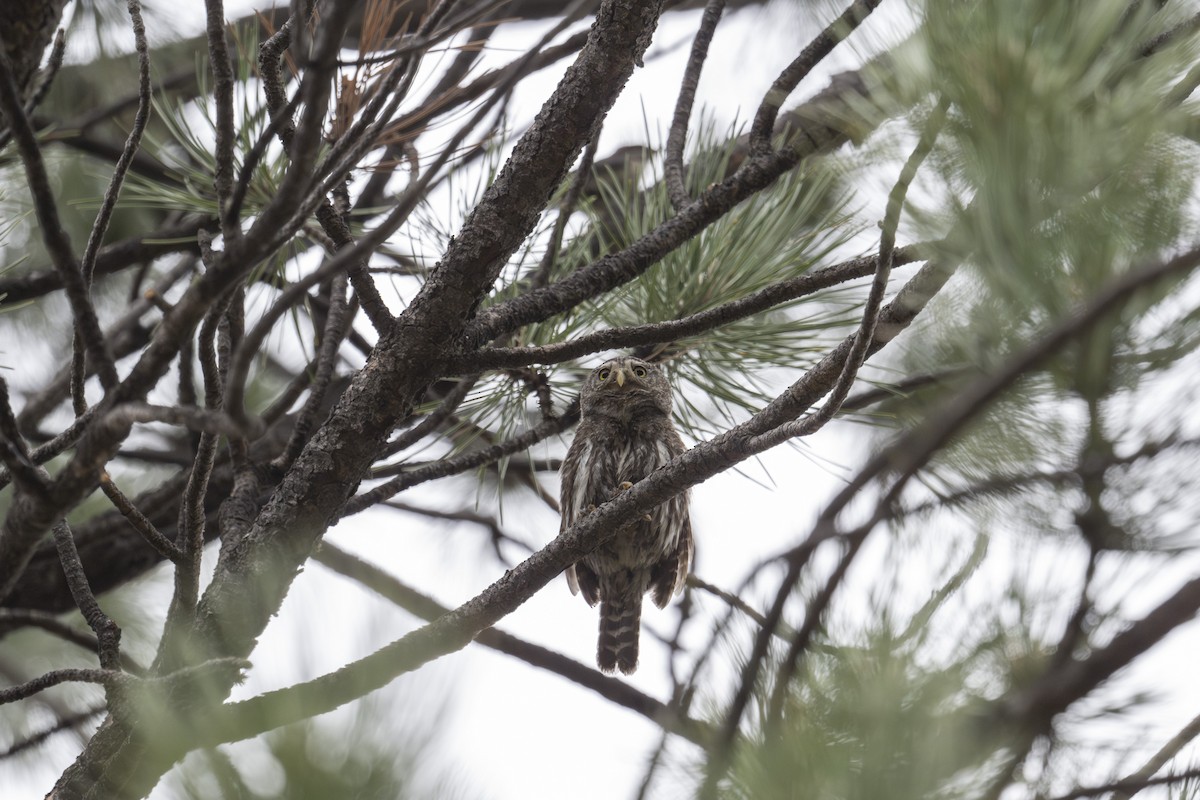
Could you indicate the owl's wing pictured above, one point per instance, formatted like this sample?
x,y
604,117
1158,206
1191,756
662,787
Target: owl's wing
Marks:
x,y
571,498
581,579
668,576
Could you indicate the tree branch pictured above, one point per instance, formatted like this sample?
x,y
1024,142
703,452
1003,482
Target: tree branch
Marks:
x,y
54,236
658,332
260,711
677,136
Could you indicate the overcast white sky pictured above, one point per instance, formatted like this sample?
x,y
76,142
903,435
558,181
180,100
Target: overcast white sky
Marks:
x,y
505,730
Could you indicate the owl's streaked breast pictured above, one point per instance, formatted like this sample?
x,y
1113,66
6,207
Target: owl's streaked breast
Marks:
x,y
608,461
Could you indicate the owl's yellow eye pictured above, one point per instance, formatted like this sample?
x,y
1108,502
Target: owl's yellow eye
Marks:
x,y
603,374
639,371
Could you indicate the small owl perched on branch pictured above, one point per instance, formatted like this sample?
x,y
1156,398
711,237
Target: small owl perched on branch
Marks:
x,y
624,434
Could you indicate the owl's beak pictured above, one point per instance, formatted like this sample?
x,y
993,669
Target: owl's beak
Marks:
x,y
620,377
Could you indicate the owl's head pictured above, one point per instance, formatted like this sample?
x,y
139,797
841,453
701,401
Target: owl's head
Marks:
x,y
623,385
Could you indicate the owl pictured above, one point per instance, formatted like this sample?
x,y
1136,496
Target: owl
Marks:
x,y
624,434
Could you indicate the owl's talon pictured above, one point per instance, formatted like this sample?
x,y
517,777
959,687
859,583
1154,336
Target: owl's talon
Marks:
x,y
623,486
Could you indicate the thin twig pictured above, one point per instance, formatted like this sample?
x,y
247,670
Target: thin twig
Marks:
x,y
1131,786
789,79
782,631
914,448
54,235
337,322
1145,773
870,317
222,70
123,333
546,267
910,451
813,616
618,268
291,393
204,420
673,161
108,635
140,522
192,516
132,143
1074,631
67,722
105,677
374,118
774,295
435,418
460,463
273,709
1182,30
280,117
900,389
491,524
250,346
12,618
14,452
1001,484
282,124
408,200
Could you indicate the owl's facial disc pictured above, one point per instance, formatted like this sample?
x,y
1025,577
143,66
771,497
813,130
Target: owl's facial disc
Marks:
x,y
625,378
632,373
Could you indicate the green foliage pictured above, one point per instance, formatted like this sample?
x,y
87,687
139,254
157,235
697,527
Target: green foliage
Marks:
x,y
308,760
10,218
184,145
901,698
377,749
781,233
864,730
1060,141
1062,168
870,720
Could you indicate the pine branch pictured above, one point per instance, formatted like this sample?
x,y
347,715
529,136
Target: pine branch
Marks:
x,y
259,711
660,332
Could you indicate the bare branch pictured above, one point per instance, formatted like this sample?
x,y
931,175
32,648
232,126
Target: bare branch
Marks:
x,y
66,723
1131,786
53,234
1168,751
658,332
108,635
222,70
789,79
461,463
104,677
865,336
619,692
673,161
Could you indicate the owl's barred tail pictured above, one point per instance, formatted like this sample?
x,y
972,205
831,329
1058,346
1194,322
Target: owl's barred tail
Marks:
x,y
620,621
